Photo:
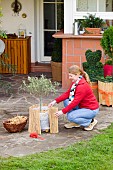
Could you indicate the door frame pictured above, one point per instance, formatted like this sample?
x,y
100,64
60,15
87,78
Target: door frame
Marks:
x,y
39,38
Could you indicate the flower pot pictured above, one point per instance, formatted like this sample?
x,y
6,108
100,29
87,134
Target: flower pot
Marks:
x,y
95,31
105,91
56,71
107,70
44,119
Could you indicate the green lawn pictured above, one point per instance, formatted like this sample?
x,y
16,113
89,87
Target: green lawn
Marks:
x,y
95,154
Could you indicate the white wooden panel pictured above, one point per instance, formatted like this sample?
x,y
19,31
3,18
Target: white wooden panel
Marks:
x,y
68,16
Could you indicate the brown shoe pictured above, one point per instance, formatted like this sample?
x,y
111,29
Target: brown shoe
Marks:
x,y
71,125
91,126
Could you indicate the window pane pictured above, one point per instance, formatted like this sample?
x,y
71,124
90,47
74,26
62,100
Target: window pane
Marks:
x,y
48,42
60,16
109,5
105,5
86,5
49,16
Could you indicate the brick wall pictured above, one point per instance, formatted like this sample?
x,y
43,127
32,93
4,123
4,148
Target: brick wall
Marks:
x,y
74,53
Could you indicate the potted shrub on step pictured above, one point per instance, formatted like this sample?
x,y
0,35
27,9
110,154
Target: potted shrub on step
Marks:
x,y
56,60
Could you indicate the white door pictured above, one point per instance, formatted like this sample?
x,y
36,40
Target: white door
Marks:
x,y
51,21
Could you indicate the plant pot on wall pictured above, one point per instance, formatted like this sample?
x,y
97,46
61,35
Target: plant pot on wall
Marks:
x,y
94,31
91,24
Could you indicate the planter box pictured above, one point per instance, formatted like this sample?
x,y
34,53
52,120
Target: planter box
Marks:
x,y
35,119
105,93
95,31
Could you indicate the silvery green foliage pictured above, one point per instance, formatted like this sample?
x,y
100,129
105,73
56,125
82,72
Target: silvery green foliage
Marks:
x,y
40,86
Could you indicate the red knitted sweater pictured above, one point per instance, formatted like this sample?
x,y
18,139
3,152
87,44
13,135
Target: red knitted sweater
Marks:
x,y
84,97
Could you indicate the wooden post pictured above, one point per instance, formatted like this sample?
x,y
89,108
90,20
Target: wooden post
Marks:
x,y
53,120
34,119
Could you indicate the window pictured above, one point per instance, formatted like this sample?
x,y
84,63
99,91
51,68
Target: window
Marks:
x,y
53,22
94,5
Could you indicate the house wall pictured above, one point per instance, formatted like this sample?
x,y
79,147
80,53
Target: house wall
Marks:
x,y
12,23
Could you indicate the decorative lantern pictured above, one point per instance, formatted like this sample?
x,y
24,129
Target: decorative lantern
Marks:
x,y
21,31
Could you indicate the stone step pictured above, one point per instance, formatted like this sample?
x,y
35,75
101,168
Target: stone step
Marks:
x,y
41,67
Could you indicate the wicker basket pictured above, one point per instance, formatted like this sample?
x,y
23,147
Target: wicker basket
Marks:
x,y
15,124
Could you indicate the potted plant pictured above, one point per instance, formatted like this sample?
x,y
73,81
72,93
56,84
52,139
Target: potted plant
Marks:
x,y
94,68
108,67
92,24
107,45
40,87
56,60
106,83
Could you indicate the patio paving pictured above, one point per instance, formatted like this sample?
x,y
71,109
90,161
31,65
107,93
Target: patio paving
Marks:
x,y
20,144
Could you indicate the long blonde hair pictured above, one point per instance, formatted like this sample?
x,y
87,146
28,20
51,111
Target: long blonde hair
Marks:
x,y
74,69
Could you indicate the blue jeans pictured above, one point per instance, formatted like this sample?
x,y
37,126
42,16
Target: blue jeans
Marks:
x,y
82,116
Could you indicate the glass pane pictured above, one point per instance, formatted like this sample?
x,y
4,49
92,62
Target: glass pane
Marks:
x,y
60,16
105,5
109,5
92,5
49,16
48,42
86,5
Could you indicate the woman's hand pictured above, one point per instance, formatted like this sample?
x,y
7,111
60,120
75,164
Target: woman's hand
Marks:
x,y
59,113
52,103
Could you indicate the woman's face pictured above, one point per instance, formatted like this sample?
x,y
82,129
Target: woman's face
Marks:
x,y
73,77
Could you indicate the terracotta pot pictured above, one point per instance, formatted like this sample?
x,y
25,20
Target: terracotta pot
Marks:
x,y
93,30
107,70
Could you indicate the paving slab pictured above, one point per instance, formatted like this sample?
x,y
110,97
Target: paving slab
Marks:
x,y
21,144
